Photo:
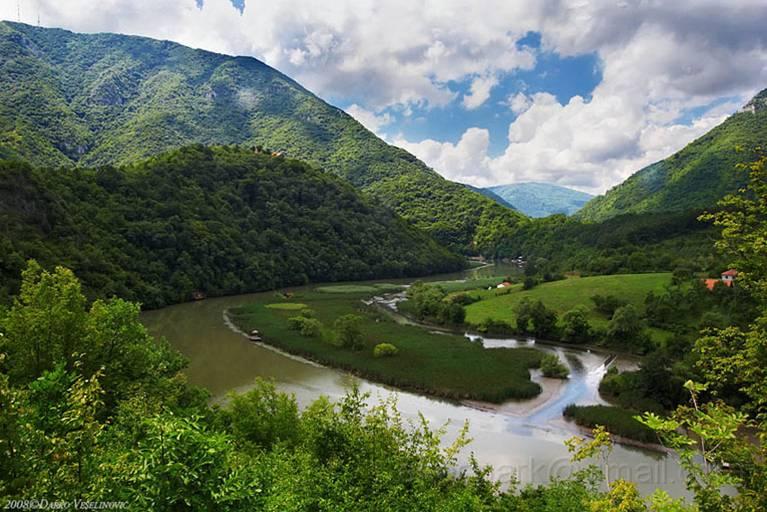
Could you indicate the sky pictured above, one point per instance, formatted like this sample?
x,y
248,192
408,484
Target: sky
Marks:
x,y
573,92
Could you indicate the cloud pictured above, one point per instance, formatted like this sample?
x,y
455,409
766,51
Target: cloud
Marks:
x,y
479,92
370,120
465,161
519,103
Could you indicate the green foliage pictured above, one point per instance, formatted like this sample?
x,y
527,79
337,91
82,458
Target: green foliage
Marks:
x,y
608,304
349,331
112,100
628,329
552,367
221,220
385,350
309,327
536,318
262,417
575,325
430,302
648,242
692,179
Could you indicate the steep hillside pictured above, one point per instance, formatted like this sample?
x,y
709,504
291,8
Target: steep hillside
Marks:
x,y
541,199
69,98
220,220
694,178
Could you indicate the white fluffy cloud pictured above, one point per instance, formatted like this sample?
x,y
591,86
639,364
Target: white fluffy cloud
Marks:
x,y
370,120
658,59
479,92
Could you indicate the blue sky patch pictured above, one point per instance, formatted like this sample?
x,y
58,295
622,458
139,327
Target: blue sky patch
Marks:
x,y
562,77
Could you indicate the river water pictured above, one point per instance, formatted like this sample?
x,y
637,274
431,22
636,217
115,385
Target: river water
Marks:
x,y
519,439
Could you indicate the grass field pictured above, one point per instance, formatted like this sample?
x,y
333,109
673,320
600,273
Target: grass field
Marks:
x,y
359,288
564,295
287,306
443,365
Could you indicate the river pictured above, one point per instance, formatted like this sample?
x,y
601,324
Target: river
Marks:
x,y
522,439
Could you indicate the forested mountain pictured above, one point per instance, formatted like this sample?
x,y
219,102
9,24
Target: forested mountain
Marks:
x,y
695,177
69,98
541,199
220,220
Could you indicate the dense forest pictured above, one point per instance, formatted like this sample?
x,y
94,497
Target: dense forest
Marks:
x,y
218,220
694,178
100,99
622,244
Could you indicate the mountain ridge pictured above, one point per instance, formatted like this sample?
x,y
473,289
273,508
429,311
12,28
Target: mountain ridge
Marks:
x,y
539,199
98,99
695,177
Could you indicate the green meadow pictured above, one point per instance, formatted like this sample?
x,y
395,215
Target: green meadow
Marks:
x,y
564,295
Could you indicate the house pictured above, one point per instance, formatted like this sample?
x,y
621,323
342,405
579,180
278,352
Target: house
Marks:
x,y
198,295
727,278
505,284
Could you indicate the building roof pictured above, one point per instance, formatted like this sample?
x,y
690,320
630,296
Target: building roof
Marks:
x,y
711,283
732,272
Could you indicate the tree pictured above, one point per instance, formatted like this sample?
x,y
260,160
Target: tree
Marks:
x,y
575,325
452,313
349,331
544,320
608,304
626,327
262,417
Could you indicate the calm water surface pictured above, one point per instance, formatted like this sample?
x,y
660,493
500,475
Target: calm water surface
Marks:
x,y
522,440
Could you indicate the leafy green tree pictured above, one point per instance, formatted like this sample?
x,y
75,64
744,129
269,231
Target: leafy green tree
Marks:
x,y
627,328
544,320
575,325
349,331
262,417
608,304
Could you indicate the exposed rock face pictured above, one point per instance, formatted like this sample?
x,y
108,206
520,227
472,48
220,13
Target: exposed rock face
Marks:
x,y
757,103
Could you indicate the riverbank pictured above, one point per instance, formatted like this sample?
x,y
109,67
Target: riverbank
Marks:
x,y
442,365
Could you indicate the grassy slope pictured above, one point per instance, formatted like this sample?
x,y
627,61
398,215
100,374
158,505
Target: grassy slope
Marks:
x,y
565,295
442,365
694,178
109,99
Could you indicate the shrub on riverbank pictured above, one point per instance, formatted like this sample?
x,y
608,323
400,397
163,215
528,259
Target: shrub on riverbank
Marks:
x,y
616,420
385,350
553,368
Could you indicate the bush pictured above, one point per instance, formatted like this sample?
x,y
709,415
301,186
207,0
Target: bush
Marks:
x,y
309,327
552,367
529,283
385,350
536,318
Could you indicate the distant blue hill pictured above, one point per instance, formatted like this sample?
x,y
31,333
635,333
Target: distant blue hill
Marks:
x,y
541,199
